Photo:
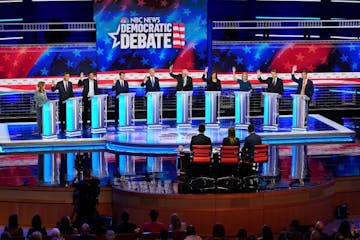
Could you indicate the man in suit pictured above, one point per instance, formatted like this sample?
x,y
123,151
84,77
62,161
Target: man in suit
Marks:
x,y
184,82
200,139
151,82
305,85
90,88
250,141
119,86
65,91
275,84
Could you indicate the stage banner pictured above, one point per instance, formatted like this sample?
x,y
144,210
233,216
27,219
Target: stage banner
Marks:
x,y
314,56
143,34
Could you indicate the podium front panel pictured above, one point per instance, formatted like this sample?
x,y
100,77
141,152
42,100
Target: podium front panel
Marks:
x,y
98,112
183,99
126,102
154,107
242,108
271,109
299,111
211,107
73,115
49,118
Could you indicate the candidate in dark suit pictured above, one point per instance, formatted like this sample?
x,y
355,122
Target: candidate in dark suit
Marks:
x,y
305,85
200,139
250,141
275,84
90,88
65,91
212,83
151,82
119,86
231,139
184,82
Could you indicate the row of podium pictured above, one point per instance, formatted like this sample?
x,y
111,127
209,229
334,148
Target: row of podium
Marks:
x,y
183,111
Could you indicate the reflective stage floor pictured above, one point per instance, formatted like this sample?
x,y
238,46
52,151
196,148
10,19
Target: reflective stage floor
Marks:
x,y
144,160
19,137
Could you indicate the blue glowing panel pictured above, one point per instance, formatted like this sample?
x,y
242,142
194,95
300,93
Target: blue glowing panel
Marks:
x,y
95,112
179,108
150,109
48,167
69,116
95,163
70,166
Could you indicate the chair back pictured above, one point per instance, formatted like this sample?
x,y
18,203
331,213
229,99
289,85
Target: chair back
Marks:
x,y
201,153
229,154
261,153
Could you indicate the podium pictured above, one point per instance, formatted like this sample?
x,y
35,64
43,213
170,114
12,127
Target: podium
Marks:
x,y
154,109
183,108
73,116
271,110
300,112
242,109
98,113
127,105
212,108
49,119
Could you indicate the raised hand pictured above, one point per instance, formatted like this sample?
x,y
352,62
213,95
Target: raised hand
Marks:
x,y
53,83
114,81
234,69
145,78
171,68
258,72
294,68
206,70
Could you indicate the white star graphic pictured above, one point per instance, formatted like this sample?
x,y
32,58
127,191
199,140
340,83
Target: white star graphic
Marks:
x,y
114,36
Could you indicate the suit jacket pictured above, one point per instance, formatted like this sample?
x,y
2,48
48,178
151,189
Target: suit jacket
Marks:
x,y
180,82
119,89
211,86
86,85
249,145
309,89
226,142
277,88
150,87
63,95
200,139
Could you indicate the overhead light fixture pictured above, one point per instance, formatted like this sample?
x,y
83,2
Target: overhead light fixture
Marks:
x,y
286,35
344,37
11,38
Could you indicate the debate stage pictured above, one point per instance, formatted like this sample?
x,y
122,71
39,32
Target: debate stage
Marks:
x,y
20,137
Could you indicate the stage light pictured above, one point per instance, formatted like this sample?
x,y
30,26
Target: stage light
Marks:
x,y
11,38
285,18
11,19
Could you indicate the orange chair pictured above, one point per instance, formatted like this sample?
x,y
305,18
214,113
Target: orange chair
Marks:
x,y
261,153
201,154
229,154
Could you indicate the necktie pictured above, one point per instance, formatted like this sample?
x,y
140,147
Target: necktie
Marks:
x,y
184,81
274,81
65,86
152,82
122,83
303,87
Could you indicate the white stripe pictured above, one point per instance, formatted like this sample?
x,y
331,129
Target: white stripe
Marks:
x,y
4,132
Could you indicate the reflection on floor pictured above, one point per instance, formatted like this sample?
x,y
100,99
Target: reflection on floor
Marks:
x,y
158,174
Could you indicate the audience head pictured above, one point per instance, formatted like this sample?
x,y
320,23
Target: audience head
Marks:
x,y
201,128
54,233
319,225
273,73
190,230
244,76
339,236
241,234
109,235
294,225
184,72
153,215
122,75
85,229
65,221
175,222
36,222
304,74
66,76
125,216
251,128
5,236
218,230
13,221
36,235
267,233
345,229
231,132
